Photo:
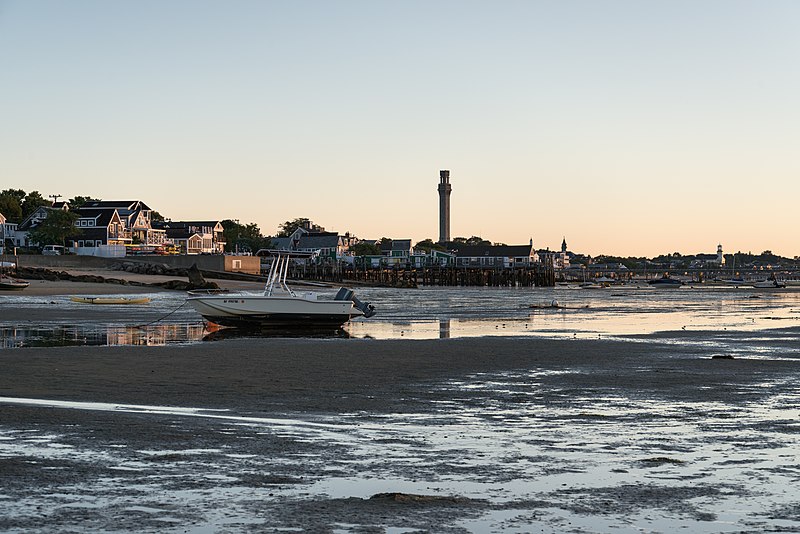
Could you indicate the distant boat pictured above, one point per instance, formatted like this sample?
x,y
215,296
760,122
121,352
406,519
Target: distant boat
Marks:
x,y
769,283
592,285
734,280
12,284
665,282
110,300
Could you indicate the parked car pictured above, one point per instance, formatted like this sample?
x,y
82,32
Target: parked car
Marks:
x,y
53,250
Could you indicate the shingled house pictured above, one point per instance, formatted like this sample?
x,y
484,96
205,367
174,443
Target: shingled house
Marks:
x,y
497,256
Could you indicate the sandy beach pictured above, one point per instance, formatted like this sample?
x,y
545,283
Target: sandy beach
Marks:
x,y
655,432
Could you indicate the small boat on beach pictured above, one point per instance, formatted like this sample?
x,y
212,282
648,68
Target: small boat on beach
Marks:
x,y
111,300
278,305
8,283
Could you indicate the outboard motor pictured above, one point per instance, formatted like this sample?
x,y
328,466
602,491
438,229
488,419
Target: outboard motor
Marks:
x,y
364,307
343,294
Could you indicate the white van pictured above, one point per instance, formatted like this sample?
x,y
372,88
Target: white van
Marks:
x,y
52,250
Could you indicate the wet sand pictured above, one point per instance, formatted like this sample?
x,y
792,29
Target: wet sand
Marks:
x,y
310,429
44,288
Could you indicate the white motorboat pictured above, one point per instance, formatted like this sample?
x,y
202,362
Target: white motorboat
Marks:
x,y
279,305
769,283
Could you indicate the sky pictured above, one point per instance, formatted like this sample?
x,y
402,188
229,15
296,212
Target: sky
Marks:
x,y
630,128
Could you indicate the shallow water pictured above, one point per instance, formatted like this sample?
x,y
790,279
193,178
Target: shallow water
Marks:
x,y
426,313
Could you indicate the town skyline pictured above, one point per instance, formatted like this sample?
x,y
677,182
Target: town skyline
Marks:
x,y
33,200
629,128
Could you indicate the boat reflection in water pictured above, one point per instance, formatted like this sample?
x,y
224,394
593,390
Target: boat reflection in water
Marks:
x,y
99,335
12,337
309,332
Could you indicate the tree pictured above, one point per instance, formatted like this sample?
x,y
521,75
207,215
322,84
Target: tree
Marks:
x,y
155,216
474,240
11,204
427,245
243,237
288,228
55,229
365,248
32,202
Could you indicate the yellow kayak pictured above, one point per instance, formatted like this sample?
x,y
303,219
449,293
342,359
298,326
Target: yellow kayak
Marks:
x,y
110,300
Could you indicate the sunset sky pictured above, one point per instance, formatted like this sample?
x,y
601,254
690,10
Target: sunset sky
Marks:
x,y
631,128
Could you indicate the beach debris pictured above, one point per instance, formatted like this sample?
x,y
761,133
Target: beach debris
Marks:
x,y
543,305
555,304
660,460
412,498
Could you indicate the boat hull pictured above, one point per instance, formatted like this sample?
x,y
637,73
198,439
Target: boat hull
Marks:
x,y
672,284
769,285
250,311
12,284
13,287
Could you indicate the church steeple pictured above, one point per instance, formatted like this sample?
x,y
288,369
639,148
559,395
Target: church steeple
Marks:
x,y
564,244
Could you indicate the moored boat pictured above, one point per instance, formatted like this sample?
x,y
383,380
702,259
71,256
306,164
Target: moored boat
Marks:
x,y
8,283
665,282
278,305
769,283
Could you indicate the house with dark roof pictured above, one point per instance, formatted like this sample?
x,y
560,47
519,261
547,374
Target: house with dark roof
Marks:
x,y
30,222
496,256
396,248
326,244
136,215
100,227
396,251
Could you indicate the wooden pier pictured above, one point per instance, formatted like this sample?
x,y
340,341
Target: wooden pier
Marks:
x,y
536,276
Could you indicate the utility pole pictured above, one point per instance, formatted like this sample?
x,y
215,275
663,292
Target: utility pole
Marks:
x,y
55,198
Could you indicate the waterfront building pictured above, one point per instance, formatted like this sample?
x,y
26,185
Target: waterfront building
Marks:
x,y
504,256
314,239
185,234
554,259
398,250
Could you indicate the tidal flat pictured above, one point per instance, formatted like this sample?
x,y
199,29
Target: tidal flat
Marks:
x,y
486,434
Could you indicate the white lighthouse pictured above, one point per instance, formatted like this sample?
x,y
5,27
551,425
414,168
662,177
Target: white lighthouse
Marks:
x,y
720,257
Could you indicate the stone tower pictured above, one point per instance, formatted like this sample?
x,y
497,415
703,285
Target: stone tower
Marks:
x,y
444,206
